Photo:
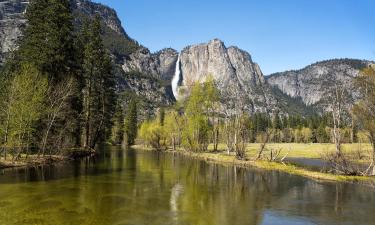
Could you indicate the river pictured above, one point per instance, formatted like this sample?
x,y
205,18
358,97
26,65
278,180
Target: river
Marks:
x,y
140,187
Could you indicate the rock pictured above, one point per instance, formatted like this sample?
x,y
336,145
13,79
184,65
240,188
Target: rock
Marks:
x,y
11,23
233,71
160,65
108,15
225,65
315,82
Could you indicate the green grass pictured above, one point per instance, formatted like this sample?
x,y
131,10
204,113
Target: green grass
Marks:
x,y
310,151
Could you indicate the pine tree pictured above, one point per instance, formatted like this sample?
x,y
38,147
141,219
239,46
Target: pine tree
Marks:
x,y
48,41
99,97
131,123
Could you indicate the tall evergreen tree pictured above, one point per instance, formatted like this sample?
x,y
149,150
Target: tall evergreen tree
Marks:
x,y
131,123
99,97
48,41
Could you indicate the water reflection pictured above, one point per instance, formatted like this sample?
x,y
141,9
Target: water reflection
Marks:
x,y
128,187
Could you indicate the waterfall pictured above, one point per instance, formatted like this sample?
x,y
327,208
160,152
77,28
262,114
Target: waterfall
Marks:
x,y
176,78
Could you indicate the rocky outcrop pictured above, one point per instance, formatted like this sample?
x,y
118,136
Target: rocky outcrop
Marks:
x,y
108,15
11,24
315,82
232,69
225,65
160,65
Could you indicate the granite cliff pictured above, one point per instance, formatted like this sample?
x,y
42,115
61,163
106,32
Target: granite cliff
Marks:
x,y
315,82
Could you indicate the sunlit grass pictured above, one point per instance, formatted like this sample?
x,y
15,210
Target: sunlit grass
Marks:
x,y
310,151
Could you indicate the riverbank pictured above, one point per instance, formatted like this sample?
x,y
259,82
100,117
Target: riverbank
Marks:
x,y
34,160
222,157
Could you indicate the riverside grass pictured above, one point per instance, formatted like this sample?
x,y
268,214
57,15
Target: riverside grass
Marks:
x,y
310,151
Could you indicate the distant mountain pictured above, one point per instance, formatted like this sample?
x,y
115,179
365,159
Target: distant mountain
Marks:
x,y
314,83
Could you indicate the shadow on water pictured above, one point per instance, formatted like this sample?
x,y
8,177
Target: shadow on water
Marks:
x,y
129,187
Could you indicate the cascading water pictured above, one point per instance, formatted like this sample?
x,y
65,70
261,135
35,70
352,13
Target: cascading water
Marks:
x,y
176,78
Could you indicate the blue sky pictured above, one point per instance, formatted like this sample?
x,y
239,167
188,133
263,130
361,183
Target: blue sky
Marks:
x,y
279,34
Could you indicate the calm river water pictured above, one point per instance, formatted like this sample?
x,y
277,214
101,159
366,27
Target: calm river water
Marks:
x,y
129,187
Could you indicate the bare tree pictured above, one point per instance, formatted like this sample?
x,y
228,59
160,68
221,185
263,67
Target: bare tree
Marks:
x,y
236,127
337,107
265,141
57,102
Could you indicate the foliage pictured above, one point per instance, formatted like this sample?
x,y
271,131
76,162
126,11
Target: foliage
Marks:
x,y
25,107
153,134
196,126
48,40
364,110
131,123
99,86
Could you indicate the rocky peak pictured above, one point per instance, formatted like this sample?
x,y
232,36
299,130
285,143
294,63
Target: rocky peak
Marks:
x,y
108,15
227,66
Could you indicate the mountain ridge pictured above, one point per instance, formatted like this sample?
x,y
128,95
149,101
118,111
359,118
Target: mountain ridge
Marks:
x,y
314,82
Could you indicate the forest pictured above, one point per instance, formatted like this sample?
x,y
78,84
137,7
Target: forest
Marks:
x,y
58,90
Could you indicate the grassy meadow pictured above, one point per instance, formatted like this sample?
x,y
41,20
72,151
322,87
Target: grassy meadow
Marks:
x,y
359,152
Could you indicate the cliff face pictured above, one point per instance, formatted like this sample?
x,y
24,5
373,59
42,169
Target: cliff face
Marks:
x,y
232,69
160,65
11,23
108,15
315,82
225,65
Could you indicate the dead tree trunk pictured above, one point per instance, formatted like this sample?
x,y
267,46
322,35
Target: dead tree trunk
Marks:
x,y
263,145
